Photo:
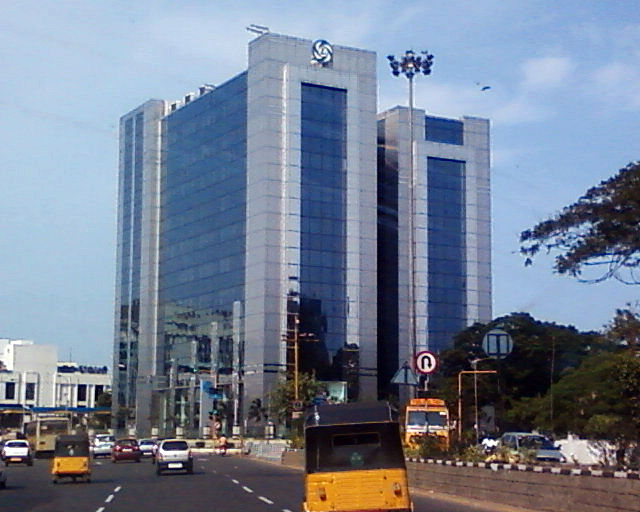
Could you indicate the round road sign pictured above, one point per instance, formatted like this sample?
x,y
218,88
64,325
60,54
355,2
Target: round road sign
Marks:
x,y
426,362
497,344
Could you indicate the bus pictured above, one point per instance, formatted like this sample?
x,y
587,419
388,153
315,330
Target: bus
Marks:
x,y
42,431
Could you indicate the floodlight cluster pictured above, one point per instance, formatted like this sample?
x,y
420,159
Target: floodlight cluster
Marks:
x,y
411,64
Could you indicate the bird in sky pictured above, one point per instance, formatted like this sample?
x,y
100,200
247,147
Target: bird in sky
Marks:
x,y
484,87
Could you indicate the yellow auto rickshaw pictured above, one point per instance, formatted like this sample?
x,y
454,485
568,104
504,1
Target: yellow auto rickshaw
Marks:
x,y
354,459
71,458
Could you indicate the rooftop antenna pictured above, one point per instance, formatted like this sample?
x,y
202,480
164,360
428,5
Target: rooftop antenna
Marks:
x,y
258,29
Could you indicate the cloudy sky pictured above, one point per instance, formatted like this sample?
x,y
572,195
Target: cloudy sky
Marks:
x,y
564,104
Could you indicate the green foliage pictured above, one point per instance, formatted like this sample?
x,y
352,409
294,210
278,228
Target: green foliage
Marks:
x,y
543,353
474,453
430,447
283,395
556,379
600,229
257,412
296,442
625,327
599,400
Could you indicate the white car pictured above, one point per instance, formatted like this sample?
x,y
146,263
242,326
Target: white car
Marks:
x,y
173,454
102,445
148,447
17,450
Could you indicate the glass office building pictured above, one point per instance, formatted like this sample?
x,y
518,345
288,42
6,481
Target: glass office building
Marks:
x,y
452,234
254,223
246,225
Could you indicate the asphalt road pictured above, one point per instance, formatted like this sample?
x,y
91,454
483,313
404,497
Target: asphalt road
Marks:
x,y
220,484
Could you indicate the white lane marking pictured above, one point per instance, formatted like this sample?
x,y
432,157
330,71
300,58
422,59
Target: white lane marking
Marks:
x,y
247,489
266,500
109,498
100,509
117,489
235,481
286,510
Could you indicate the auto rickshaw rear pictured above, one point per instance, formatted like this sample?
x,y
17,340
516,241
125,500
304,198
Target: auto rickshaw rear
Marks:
x,y
354,460
71,458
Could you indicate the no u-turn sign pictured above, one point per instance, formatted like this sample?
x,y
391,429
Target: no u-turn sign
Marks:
x,y
426,362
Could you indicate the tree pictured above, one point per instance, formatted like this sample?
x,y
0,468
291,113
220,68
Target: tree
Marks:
x,y
624,329
282,396
599,230
257,412
598,400
543,353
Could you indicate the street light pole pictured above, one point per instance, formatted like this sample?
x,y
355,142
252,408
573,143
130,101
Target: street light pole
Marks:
x,y
460,374
411,65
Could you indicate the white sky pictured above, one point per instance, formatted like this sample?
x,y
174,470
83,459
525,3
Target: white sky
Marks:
x,y
564,104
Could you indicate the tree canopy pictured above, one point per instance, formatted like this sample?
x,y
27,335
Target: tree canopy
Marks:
x,y
600,230
543,353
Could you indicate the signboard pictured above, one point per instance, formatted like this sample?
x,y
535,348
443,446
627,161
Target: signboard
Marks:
x,y
497,343
405,376
426,362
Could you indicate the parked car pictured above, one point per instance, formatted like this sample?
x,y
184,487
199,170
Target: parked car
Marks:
x,y
126,449
17,450
173,454
147,447
546,450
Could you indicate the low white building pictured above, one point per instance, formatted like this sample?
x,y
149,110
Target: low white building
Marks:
x,y
32,377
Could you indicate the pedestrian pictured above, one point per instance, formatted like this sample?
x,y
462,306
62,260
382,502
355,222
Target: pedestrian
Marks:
x,y
222,445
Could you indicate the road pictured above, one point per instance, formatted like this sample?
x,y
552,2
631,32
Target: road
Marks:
x,y
220,484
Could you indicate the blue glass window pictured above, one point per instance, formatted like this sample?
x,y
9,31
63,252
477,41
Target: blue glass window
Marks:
x,y
447,260
202,225
388,322
448,131
323,216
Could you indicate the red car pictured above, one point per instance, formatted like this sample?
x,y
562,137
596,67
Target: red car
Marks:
x,y
126,449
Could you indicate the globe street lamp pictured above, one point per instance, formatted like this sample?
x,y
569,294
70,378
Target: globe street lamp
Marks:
x,y
411,65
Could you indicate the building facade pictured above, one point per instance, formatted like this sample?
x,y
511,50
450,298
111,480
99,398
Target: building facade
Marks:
x,y
246,225
255,223
32,379
452,233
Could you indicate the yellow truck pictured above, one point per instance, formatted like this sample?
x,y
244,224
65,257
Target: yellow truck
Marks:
x,y
427,417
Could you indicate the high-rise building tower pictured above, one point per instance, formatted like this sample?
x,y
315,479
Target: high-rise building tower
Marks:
x,y
452,233
257,236
246,224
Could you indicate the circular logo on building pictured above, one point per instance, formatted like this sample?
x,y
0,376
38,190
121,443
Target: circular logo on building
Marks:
x,y
321,52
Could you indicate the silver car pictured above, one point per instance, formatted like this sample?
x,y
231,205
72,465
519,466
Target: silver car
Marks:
x,y
546,450
172,455
102,445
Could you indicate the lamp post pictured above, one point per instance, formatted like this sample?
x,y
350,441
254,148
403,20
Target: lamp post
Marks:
x,y
460,374
411,65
